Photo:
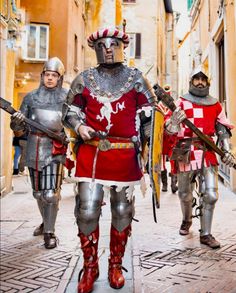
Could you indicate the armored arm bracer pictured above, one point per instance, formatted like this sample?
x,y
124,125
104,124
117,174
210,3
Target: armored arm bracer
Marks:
x,y
223,133
72,114
72,117
145,120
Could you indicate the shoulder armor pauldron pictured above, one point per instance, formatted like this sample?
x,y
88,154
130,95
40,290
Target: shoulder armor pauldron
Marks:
x,y
142,85
76,88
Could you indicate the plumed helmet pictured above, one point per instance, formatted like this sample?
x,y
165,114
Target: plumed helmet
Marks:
x,y
54,64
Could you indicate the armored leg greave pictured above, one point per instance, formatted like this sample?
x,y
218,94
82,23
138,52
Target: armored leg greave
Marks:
x,y
164,180
122,209
208,199
46,189
118,242
38,195
174,180
89,246
88,206
185,195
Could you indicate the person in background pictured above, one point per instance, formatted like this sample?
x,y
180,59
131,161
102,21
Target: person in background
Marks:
x,y
195,162
19,143
44,156
168,144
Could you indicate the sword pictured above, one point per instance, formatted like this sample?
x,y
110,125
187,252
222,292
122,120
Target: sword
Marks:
x,y
6,106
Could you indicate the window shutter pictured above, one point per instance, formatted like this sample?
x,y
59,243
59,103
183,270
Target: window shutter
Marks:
x,y
138,46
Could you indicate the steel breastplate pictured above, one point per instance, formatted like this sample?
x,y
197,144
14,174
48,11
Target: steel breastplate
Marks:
x,y
49,118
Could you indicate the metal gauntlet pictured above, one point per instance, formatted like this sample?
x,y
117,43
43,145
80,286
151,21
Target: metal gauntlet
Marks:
x,y
223,134
173,124
72,117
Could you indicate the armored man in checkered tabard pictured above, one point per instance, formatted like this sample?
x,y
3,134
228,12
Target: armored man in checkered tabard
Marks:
x,y
106,107
194,162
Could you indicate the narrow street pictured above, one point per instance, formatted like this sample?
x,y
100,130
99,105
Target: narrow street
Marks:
x,y
158,259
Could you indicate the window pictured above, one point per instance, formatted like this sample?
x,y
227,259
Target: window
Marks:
x,y
222,94
129,1
190,3
134,45
75,53
36,42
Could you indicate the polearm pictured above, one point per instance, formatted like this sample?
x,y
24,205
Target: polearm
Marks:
x,y
169,102
6,106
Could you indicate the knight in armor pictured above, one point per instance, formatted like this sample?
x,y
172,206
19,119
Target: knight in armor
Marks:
x,y
44,157
107,106
196,163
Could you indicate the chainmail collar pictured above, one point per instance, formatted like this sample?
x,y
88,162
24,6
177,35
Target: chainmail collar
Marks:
x,y
207,101
46,96
108,84
199,92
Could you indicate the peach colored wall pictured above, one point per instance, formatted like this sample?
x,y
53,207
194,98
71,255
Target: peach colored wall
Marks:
x,y
47,12
6,133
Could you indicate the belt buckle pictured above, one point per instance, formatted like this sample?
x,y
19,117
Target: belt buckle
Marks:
x,y
104,145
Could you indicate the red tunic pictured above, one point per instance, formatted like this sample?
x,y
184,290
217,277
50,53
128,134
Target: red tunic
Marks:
x,y
116,166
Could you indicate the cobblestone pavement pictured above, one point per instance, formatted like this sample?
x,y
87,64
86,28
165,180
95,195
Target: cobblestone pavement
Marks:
x,y
164,261
158,259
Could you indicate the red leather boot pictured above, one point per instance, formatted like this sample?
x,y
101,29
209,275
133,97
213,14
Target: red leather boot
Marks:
x,y
117,249
89,246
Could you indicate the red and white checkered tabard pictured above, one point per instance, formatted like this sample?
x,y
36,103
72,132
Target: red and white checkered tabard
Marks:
x,y
204,117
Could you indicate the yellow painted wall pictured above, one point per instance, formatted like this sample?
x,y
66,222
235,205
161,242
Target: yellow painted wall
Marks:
x,y
6,133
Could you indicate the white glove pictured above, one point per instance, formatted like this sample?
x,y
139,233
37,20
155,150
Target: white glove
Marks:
x,y
228,159
173,124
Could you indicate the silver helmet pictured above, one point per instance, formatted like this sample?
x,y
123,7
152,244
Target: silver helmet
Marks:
x,y
196,91
115,54
54,64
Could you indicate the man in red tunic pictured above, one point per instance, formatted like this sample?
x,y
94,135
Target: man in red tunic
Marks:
x,y
109,108
195,162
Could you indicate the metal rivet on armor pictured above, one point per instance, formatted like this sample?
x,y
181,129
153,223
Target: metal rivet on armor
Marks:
x,y
122,89
130,78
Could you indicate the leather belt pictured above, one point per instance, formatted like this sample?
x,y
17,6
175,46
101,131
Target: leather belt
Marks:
x,y
105,145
